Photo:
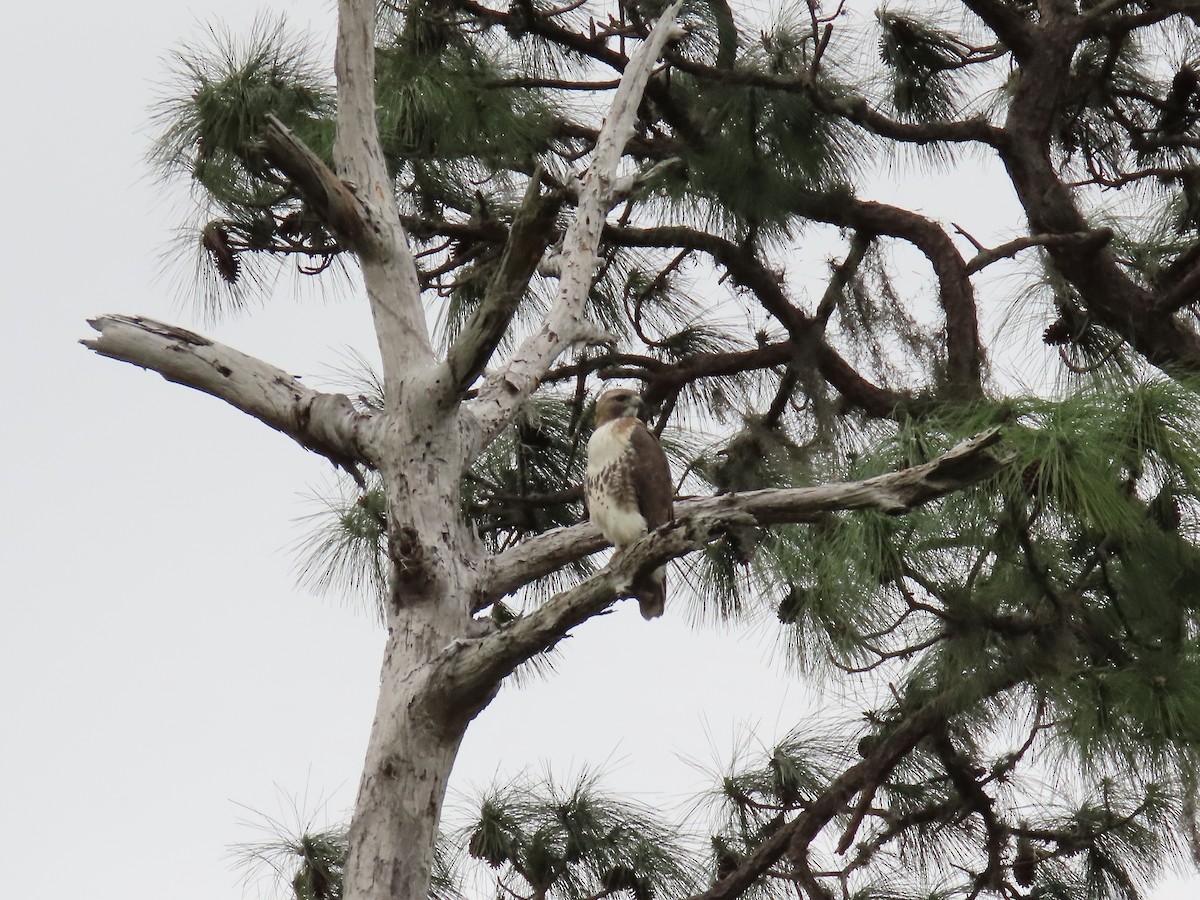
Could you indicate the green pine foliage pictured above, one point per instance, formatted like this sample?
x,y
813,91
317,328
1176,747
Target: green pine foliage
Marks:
x,y
1104,72
873,320
762,152
445,100
557,840
344,548
210,134
527,480
211,130
322,857
1048,618
1097,508
310,862
575,841
925,65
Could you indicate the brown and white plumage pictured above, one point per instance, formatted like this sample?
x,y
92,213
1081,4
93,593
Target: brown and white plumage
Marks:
x,y
628,485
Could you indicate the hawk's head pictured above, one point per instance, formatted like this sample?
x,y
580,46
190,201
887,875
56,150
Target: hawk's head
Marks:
x,y
617,403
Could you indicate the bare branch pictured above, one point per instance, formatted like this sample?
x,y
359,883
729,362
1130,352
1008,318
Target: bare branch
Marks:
x,y
1100,21
752,273
327,424
841,275
964,352
1084,240
471,671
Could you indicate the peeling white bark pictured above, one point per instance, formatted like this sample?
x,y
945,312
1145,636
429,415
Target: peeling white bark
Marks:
x,y
566,323
388,268
328,424
409,758
479,338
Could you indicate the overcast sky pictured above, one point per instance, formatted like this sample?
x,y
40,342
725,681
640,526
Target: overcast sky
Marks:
x,y
166,687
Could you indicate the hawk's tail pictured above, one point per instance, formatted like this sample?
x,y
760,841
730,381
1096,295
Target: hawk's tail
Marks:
x,y
651,593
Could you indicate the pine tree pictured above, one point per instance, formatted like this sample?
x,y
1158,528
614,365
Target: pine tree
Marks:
x,y
543,197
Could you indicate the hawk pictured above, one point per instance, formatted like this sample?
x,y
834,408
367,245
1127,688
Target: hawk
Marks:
x,y
628,485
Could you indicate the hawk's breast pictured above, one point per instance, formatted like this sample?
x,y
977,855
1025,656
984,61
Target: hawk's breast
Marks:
x,y
612,500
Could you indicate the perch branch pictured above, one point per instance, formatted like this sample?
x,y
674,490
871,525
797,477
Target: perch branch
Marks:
x,y
894,493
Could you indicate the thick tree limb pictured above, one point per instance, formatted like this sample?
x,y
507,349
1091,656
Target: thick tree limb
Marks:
x,y
964,352
877,402
1008,23
963,465
1183,292
503,393
1120,303
1102,20
738,260
327,195
327,424
471,670
467,673
662,379
527,239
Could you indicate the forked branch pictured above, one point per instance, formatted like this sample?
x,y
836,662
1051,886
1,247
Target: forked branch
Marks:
x,y
566,323
527,239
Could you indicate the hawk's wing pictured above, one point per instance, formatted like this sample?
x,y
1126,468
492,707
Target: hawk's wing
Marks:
x,y
651,477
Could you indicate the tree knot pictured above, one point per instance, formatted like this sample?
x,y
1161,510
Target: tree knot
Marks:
x,y
412,563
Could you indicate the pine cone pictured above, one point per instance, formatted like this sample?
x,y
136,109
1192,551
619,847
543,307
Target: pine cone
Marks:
x,y
1024,867
215,239
1059,332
